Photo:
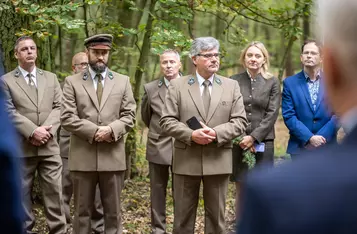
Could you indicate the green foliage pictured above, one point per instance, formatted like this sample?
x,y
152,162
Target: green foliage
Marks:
x,y
248,156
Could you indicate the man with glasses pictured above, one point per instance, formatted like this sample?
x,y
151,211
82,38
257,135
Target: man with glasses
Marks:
x,y
98,108
305,113
79,64
203,112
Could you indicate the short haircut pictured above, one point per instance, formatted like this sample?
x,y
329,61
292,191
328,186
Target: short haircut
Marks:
x,y
171,51
22,38
316,42
203,44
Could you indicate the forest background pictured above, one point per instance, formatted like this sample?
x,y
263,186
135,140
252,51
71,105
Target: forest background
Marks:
x,y
144,28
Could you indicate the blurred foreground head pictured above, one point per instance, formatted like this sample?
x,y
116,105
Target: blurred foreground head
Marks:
x,y
338,28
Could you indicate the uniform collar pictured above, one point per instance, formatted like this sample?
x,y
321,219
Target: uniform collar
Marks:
x,y
93,73
24,72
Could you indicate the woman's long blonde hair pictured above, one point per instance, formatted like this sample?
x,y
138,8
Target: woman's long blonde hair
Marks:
x,y
265,67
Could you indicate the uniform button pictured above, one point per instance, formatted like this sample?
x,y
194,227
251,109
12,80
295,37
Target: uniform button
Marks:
x,y
249,113
100,122
250,96
249,104
252,88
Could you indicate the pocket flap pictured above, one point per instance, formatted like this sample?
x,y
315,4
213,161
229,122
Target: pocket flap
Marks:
x,y
180,144
153,135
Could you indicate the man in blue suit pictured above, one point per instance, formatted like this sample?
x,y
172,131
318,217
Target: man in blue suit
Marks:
x,y
11,213
304,110
316,194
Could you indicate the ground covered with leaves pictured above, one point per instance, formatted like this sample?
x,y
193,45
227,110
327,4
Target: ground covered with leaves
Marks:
x,y
136,209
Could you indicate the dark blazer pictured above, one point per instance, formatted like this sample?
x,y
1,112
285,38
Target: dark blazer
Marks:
x,y
11,212
299,116
315,194
159,145
261,99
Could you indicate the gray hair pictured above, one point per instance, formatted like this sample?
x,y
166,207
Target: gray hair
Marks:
x,y
171,51
203,44
338,29
22,38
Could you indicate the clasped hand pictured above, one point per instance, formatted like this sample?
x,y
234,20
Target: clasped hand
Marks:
x,y
247,142
104,133
41,135
204,135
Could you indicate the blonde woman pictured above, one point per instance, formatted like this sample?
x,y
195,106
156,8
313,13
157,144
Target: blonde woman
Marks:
x,y
261,96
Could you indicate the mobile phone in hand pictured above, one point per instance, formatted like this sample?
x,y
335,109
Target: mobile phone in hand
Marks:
x,y
193,123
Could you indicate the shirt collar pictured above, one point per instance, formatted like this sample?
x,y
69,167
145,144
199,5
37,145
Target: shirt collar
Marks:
x,y
93,73
24,72
200,79
349,120
308,78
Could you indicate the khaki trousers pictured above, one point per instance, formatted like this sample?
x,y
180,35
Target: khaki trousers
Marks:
x,y
49,173
67,187
84,187
186,193
159,177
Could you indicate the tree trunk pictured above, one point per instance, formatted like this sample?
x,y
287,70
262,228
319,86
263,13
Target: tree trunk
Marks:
x,y
130,144
306,22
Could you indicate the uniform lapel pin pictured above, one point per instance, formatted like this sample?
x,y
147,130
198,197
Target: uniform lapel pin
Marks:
x,y
85,76
218,81
17,74
110,75
40,72
191,81
160,83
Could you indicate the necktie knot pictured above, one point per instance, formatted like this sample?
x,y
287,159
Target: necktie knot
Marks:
x,y
31,82
206,83
99,77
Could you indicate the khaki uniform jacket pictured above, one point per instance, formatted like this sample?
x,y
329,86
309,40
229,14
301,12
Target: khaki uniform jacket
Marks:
x,y
81,115
159,145
27,114
226,116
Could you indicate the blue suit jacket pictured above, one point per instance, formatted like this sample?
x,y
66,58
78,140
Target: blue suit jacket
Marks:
x,y
315,194
299,116
11,212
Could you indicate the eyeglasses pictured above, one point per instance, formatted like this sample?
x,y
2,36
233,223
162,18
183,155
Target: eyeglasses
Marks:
x,y
210,56
84,65
310,52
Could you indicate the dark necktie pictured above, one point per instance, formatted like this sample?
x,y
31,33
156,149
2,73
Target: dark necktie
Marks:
x,y
206,97
99,87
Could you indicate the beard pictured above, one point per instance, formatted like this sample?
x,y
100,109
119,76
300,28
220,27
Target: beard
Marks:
x,y
98,67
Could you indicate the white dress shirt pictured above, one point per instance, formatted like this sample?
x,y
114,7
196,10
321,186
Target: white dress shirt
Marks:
x,y
200,80
95,81
33,75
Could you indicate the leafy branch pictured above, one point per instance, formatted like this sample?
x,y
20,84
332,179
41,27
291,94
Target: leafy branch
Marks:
x,y
248,156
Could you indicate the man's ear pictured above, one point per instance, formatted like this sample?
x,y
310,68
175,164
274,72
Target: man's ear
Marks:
x,y
194,60
15,54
